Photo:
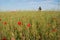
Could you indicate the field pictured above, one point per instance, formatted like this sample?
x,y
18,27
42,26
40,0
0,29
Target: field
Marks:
x,y
30,25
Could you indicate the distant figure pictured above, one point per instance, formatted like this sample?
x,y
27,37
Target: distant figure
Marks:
x,y
40,8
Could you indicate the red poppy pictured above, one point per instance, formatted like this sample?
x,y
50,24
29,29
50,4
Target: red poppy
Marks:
x,y
28,24
54,30
12,38
4,23
19,23
0,19
4,38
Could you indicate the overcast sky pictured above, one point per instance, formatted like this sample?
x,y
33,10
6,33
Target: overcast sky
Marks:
x,y
6,5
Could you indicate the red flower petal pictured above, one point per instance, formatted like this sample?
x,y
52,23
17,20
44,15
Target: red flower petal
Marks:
x,y
19,23
28,24
4,23
4,38
54,30
0,19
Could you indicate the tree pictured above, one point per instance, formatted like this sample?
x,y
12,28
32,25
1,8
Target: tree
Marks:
x,y
40,8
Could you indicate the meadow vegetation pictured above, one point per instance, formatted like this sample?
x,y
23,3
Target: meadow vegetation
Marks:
x,y
30,25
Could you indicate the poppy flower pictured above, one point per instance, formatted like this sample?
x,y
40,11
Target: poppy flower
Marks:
x,y
4,38
12,38
28,25
19,23
54,30
0,19
4,23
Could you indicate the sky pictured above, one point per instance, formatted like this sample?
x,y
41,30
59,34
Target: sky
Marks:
x,y
13,5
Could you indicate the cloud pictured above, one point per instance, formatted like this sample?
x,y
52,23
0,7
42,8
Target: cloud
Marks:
x,y
30,5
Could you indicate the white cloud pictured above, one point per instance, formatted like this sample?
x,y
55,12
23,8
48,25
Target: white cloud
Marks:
x,y
46,5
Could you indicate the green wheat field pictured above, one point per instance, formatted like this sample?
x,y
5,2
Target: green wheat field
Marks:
x,y
30,25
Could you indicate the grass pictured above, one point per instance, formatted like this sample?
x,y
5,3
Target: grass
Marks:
x,y
30,25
